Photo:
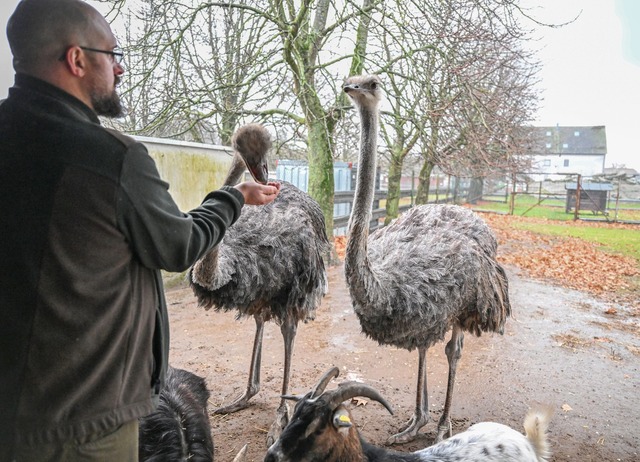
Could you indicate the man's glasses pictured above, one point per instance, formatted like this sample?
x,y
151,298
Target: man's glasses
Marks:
x,y
116,53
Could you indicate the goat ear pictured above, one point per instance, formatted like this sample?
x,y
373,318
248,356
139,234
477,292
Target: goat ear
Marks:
x,y
312,427
341,418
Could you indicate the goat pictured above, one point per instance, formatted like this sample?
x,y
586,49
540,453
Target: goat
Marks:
x,y
179,429
321,430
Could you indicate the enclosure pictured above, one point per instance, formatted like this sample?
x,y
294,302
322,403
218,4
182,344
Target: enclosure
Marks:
x,y
576,350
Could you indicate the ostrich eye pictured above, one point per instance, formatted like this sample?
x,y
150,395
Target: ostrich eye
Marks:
x,y
374,85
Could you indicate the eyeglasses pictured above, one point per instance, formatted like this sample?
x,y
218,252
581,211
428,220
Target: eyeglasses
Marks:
x,y
116,54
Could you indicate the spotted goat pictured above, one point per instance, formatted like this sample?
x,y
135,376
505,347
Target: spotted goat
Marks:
x,y
321,429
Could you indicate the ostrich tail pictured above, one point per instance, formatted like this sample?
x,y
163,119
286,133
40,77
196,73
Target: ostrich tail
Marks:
x,y
502,289
536,424
492,299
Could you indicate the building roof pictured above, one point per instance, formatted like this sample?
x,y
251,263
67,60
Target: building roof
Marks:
x,y
590,186
589,140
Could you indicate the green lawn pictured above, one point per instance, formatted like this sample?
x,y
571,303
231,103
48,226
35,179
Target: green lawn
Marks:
x,y
554,209
622,241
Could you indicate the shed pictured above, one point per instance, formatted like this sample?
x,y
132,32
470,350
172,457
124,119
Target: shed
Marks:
x,y
593,196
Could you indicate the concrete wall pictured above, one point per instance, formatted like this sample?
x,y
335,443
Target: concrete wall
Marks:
x,y
191,169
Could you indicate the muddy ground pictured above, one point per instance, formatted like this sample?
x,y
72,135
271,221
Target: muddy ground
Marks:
x,y
562,347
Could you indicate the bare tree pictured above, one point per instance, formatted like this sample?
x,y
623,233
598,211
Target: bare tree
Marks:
x,y
456,80
209,65
479,88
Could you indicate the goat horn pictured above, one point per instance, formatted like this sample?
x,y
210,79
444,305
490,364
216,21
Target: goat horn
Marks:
x,y
348,390
324,381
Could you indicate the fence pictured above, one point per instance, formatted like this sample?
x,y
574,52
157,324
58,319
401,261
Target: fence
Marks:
x,y
445,188
570,197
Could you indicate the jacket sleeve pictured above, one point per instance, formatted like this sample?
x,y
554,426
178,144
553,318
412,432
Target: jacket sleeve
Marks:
x,y
161,236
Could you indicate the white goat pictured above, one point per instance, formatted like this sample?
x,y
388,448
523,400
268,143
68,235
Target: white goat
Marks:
x,y
321,430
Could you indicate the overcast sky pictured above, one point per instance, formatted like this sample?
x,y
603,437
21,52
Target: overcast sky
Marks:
x,y
590,75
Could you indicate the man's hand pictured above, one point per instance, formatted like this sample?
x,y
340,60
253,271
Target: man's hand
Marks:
x,y
258,194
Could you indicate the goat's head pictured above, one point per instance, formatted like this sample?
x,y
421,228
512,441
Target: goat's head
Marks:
x,y
320,428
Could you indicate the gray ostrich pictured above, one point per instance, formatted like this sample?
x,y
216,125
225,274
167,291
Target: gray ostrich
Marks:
x,y
432,270
269,264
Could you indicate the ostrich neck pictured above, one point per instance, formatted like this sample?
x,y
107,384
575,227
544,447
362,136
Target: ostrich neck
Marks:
x,y
235,171
210,260
358,229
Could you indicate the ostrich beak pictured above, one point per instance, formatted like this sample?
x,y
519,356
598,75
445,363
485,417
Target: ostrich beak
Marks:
x,y
349,87
259,172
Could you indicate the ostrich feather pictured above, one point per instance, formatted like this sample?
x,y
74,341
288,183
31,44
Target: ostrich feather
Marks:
x,y
269,261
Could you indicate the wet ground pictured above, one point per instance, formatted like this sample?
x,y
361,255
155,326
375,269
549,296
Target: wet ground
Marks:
x,y
561,347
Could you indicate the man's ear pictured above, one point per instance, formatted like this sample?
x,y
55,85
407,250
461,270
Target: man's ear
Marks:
x,y
76,61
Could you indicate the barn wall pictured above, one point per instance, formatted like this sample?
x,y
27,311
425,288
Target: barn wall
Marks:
x,y
191,169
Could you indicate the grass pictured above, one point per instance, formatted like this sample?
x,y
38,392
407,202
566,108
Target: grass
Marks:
x,y
554,209
622,241
618,240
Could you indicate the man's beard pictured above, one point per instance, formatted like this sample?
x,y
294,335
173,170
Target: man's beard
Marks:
x,y
107,105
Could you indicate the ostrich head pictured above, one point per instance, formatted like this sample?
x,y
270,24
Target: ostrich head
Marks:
x,y
364,90
252,142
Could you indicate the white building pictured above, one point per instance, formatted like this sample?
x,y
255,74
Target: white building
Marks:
x,y
561,151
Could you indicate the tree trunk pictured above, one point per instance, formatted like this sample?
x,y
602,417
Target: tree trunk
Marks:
x,y
393,193
424,178
321,182
475,190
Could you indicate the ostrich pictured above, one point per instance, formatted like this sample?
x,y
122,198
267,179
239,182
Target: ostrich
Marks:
x,y
269,265
432,270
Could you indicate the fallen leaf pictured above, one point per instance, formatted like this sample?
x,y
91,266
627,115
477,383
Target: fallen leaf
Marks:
x,y
566,408
359,401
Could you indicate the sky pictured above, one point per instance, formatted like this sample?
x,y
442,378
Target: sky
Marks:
x,y
590,69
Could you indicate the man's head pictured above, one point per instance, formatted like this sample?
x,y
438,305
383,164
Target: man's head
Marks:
x,y
68,44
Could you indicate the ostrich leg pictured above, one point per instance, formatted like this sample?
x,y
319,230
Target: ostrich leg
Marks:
x,y
288,328
454,352
253,385
421,413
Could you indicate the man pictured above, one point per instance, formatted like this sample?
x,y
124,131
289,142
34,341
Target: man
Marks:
x,y
86,226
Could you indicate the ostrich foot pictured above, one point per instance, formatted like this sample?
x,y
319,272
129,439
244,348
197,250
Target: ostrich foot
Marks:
x,y
240,403
282,419
411,430
445,430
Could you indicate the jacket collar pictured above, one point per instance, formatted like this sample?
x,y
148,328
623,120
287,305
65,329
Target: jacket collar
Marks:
x,y
34,85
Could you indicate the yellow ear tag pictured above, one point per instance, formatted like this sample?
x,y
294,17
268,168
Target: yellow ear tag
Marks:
x,y
344,418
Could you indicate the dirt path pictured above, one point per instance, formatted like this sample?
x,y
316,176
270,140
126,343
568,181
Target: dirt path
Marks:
x,y
560,348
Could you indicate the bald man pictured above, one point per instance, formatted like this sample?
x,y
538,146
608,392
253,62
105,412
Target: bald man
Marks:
x,y
87,224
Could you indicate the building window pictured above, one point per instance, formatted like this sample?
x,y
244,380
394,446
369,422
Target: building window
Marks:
x,y
548,145
547,163
548,133
565,145
566,162
576,133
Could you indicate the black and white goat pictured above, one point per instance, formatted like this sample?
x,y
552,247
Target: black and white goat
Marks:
x,y
179,429
321,430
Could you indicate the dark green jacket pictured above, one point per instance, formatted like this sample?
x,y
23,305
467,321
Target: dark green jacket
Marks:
x,y
86,225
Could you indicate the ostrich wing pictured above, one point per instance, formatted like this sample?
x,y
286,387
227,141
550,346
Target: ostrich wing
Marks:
x,y
271,257
433,266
